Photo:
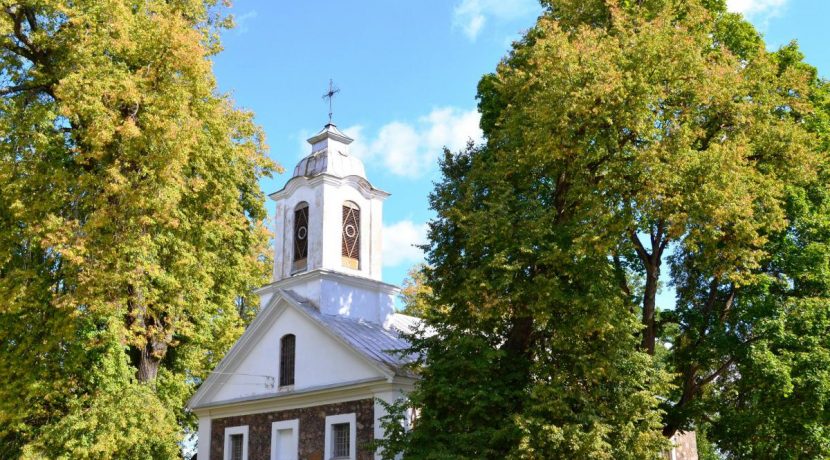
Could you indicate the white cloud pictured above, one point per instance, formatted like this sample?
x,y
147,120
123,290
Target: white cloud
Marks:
x,y
471,15
757,10
412,149
399,240
242,20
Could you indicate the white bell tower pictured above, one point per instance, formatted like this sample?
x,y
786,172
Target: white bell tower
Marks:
x,y
328,221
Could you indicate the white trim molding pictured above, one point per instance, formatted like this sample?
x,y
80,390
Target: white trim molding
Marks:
x,y
326,274
203,436
294,426
351,419
361,184
232,430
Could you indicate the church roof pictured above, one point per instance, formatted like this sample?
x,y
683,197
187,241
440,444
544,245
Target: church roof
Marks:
x,y
330,130
376,342
330,155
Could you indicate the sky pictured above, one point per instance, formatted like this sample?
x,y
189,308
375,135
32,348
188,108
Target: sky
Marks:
x,y
407,72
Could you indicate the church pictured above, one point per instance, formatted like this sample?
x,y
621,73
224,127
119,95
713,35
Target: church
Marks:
x,y
304,380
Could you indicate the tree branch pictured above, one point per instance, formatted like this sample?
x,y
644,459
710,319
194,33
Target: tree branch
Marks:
x,y
20,88
717,373
31,18
638,246
713,295
17,15
728,305
19,50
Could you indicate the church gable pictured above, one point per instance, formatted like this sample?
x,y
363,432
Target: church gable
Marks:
x,y
311,357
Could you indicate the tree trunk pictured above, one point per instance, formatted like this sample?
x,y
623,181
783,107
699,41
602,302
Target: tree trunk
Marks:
x,y
518,347
651,262
520,336
149,360
650,308
672,418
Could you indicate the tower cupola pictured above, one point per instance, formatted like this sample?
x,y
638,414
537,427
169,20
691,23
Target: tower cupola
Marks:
x,y
330,155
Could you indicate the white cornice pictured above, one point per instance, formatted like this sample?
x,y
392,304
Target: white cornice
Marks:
x,y
359,183
329,394
322,273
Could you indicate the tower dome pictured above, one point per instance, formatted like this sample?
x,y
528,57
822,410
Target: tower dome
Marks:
x,y
330,155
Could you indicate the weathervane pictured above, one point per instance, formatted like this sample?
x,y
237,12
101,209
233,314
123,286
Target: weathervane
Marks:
x,y
330,95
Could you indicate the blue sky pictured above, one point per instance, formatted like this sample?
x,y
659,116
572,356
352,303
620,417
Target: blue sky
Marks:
x,y
407,73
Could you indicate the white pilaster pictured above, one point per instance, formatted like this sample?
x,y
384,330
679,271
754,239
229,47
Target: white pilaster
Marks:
x,y
203,437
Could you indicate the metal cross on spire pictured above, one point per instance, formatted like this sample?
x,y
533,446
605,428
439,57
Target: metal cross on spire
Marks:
x,y
330,95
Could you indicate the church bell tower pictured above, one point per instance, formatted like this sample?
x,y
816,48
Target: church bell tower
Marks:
x,y
328,222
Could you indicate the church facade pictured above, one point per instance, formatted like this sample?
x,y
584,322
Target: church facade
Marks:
x,y
304,380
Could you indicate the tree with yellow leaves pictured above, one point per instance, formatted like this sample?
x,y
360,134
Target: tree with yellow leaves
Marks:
x,y
131,223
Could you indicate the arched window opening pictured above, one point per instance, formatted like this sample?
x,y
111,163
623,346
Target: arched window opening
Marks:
x,y
351,235
287,343
300,237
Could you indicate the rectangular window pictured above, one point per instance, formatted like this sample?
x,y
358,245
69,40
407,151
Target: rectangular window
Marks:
x,y
340,435
236,446
236,443
285,444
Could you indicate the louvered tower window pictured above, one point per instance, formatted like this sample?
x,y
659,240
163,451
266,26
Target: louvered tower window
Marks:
x,y
287,353
351,235
300,237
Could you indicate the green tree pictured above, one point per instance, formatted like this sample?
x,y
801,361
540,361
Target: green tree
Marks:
x,y
131,226
774,402
625,139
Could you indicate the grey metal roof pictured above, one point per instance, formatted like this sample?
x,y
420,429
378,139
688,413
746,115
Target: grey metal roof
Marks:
x,y
372,340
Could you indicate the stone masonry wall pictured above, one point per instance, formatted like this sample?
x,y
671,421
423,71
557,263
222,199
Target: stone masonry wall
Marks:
x,y
311,433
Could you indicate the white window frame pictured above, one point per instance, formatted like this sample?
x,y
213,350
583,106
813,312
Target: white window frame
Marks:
x,y
351,419
294,426
231,430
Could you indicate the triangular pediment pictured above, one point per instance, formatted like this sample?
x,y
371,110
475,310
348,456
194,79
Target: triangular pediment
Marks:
x,y
323,356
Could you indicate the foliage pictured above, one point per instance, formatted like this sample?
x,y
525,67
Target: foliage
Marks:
x,y
415,293
516,368
624,138
778,407
144,427
130,223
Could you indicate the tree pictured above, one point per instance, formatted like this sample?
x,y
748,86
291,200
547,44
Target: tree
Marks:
x,y
536,370
130,223
623,139
773,403
414,292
